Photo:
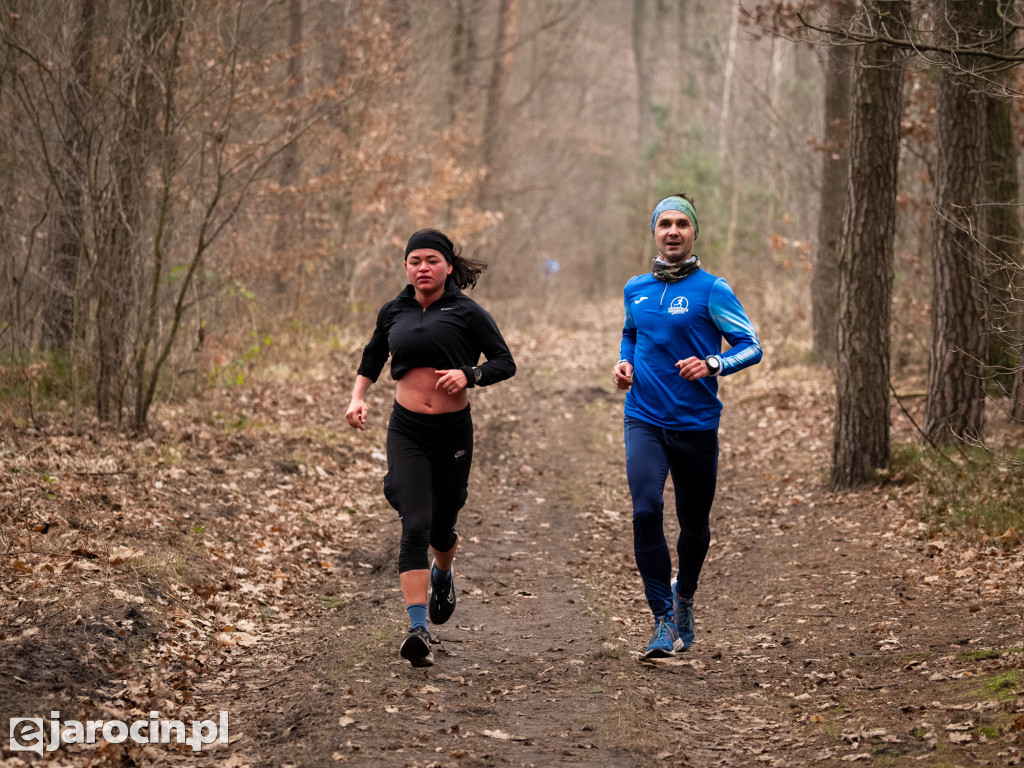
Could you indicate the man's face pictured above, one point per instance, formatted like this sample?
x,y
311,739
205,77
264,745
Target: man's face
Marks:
x,y
674,236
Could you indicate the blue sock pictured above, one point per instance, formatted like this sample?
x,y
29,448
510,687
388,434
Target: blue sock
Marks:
x,y
440,577
417,614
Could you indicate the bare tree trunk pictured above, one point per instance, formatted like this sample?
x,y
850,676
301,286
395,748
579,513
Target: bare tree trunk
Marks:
x,y
1004,271
403,16
290,158
119,266
645,111
113,303
464,53
727,77
287,228
68,224
680,54
727,160
860,442
493,128
772,86
1004,281
955,406
834,175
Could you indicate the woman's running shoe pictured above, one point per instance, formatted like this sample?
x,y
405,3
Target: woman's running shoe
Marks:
x,y
442,597
416,647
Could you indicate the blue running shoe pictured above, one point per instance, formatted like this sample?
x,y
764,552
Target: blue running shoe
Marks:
x,y
664,640
682,610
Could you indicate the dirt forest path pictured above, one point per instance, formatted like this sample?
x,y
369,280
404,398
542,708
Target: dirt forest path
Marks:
x,y
827,629
244,560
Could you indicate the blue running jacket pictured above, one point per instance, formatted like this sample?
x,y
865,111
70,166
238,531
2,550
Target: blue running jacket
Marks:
x,y
668,322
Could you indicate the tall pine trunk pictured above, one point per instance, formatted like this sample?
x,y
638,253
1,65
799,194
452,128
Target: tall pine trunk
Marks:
x,y
955,406
1004,271
835,167
860,442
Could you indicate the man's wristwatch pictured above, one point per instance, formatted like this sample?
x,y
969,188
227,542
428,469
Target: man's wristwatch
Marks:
x,y
714,365
477,374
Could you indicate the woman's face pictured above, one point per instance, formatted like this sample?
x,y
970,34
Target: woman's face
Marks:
x,y
427,270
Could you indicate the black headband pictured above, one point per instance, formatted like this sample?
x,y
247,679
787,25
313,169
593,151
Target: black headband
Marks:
x,y
432,240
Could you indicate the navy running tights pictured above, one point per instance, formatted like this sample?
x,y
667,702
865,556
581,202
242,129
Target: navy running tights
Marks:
x,y
429,456
692,458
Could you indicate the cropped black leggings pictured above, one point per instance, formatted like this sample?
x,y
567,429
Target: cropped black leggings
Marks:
x,y
429,456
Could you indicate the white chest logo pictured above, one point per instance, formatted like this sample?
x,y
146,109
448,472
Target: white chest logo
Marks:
x,y
640,299
679,306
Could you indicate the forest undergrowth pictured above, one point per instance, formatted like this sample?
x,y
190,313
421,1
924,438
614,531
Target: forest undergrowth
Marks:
x,y
240,558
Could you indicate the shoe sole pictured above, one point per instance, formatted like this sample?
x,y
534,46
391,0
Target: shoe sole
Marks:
x,y
416,651
659,653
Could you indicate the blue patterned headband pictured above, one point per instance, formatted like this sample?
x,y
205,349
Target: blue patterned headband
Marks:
x,y
675,203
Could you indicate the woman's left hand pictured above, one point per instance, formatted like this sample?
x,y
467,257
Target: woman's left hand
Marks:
x,y
451,381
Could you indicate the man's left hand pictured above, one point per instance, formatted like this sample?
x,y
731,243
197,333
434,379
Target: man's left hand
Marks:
x,y
692,368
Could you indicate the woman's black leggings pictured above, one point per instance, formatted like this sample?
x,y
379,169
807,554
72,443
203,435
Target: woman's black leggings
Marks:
x,y
429,456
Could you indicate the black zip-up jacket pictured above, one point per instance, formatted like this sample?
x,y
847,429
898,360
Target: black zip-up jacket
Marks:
x,y
451,333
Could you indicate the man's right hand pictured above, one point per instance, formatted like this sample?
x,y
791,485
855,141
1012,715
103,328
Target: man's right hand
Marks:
x,y
622,375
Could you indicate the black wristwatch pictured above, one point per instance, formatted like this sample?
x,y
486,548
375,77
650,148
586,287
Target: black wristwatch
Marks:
x,y
477,374
714,365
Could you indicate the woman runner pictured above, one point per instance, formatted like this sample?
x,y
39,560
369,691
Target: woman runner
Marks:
x,y
434,335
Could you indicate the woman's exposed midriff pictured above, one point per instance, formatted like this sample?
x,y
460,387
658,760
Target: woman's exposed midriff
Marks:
x,y
416,391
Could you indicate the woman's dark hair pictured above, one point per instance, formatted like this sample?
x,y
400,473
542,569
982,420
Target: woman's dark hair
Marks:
x,y
465,272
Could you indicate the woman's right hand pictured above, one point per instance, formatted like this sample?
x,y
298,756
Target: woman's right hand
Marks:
x,y
356,413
